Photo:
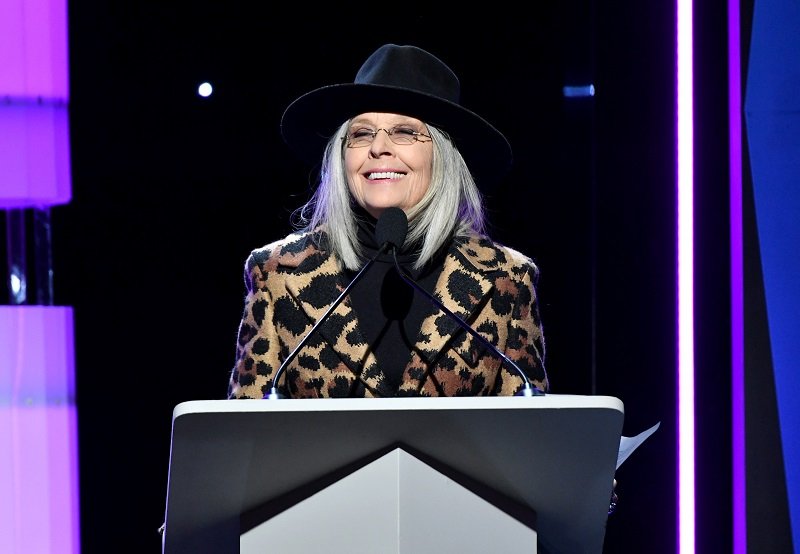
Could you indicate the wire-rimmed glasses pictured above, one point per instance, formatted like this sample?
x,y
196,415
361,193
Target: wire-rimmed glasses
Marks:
x,y
399,134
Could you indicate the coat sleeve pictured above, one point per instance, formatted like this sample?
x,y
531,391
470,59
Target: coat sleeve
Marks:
x,y
526,345
257,345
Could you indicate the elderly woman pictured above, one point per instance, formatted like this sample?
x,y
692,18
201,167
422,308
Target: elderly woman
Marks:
x,y
397,137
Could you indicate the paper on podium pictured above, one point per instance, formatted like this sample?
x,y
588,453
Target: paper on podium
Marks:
x,y
628,444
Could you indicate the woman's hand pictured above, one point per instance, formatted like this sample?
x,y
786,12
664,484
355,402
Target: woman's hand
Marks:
x,y
612,506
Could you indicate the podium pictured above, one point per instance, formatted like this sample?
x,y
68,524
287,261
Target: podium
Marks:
x,y
400,475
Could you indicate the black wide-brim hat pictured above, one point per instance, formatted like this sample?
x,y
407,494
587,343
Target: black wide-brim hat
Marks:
x,y
405,80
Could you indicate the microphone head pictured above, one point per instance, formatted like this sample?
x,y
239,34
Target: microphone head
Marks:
x,y
392,227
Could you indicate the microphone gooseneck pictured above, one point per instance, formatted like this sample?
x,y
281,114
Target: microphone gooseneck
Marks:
x,y
390,230
527,389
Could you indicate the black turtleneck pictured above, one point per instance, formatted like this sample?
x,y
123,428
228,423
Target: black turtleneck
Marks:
x,y
389,310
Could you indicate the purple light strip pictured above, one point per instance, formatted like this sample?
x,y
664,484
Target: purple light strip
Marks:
x,y
737,281
685,292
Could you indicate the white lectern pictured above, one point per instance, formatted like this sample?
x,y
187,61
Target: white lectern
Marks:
x,y
400,475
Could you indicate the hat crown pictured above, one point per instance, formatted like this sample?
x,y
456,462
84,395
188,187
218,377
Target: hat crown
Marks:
x,y
410,68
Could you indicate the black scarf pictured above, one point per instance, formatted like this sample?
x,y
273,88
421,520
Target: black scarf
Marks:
x,y
389,310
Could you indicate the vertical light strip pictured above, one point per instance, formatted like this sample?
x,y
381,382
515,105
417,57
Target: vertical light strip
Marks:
x,y
685,292
737,281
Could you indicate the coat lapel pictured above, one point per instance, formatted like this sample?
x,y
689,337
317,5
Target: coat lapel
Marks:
x,y
315,285
463,288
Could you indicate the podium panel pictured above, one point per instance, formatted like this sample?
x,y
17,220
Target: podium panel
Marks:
x,y
395,504
238,465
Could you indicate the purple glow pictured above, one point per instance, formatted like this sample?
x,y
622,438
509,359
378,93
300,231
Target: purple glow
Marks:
x,y
34,92
33,40
38,432
685,185
737,282
35,164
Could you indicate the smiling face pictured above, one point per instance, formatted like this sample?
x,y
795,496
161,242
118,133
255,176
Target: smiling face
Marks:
x,y
383,174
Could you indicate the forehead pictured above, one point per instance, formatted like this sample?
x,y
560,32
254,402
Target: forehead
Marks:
x,y
384,118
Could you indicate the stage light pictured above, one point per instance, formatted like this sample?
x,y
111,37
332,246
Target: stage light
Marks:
x,y
205,89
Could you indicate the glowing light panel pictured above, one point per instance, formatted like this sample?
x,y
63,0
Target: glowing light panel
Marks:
x,y
685,186
38,431
34,131
737,281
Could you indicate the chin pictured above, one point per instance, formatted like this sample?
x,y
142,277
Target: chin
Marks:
x,y
376,210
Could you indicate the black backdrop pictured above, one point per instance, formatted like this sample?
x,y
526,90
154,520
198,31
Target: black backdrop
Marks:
x,y
171,191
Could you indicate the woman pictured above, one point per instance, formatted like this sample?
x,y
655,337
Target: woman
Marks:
x,y
396,137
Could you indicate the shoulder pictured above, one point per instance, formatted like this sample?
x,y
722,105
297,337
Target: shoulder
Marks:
x,y
292,251
489,255
518,260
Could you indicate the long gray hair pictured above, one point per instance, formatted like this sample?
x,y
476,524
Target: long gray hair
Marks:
x,y
452,205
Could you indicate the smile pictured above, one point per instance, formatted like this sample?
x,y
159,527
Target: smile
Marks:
x,y
385,175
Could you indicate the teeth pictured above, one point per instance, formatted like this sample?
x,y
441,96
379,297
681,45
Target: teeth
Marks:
x,y
385,175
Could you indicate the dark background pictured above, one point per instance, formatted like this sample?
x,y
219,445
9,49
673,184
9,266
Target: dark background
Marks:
x,y
171,191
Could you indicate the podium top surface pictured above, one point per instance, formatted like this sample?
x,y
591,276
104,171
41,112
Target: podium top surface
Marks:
x,y
550,401
553,454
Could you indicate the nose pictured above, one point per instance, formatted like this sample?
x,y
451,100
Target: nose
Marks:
x,y
381,144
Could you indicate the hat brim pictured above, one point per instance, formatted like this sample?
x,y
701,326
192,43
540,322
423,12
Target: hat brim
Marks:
x,y
308,123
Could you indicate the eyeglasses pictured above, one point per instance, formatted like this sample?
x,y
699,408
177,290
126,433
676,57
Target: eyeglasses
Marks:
x,y
399,134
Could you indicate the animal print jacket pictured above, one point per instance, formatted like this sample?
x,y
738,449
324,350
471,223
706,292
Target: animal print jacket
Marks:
x,y
292,282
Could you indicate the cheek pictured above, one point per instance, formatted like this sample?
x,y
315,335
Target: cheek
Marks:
x,y
352,168
423,184
354,158
425,172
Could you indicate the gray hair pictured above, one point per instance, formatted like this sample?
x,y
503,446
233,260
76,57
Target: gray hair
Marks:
x,y
452,205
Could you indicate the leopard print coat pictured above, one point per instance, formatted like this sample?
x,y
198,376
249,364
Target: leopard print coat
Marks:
x,y
292,282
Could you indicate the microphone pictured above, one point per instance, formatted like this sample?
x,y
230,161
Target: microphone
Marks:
x,y
391,228
390,231
528,389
